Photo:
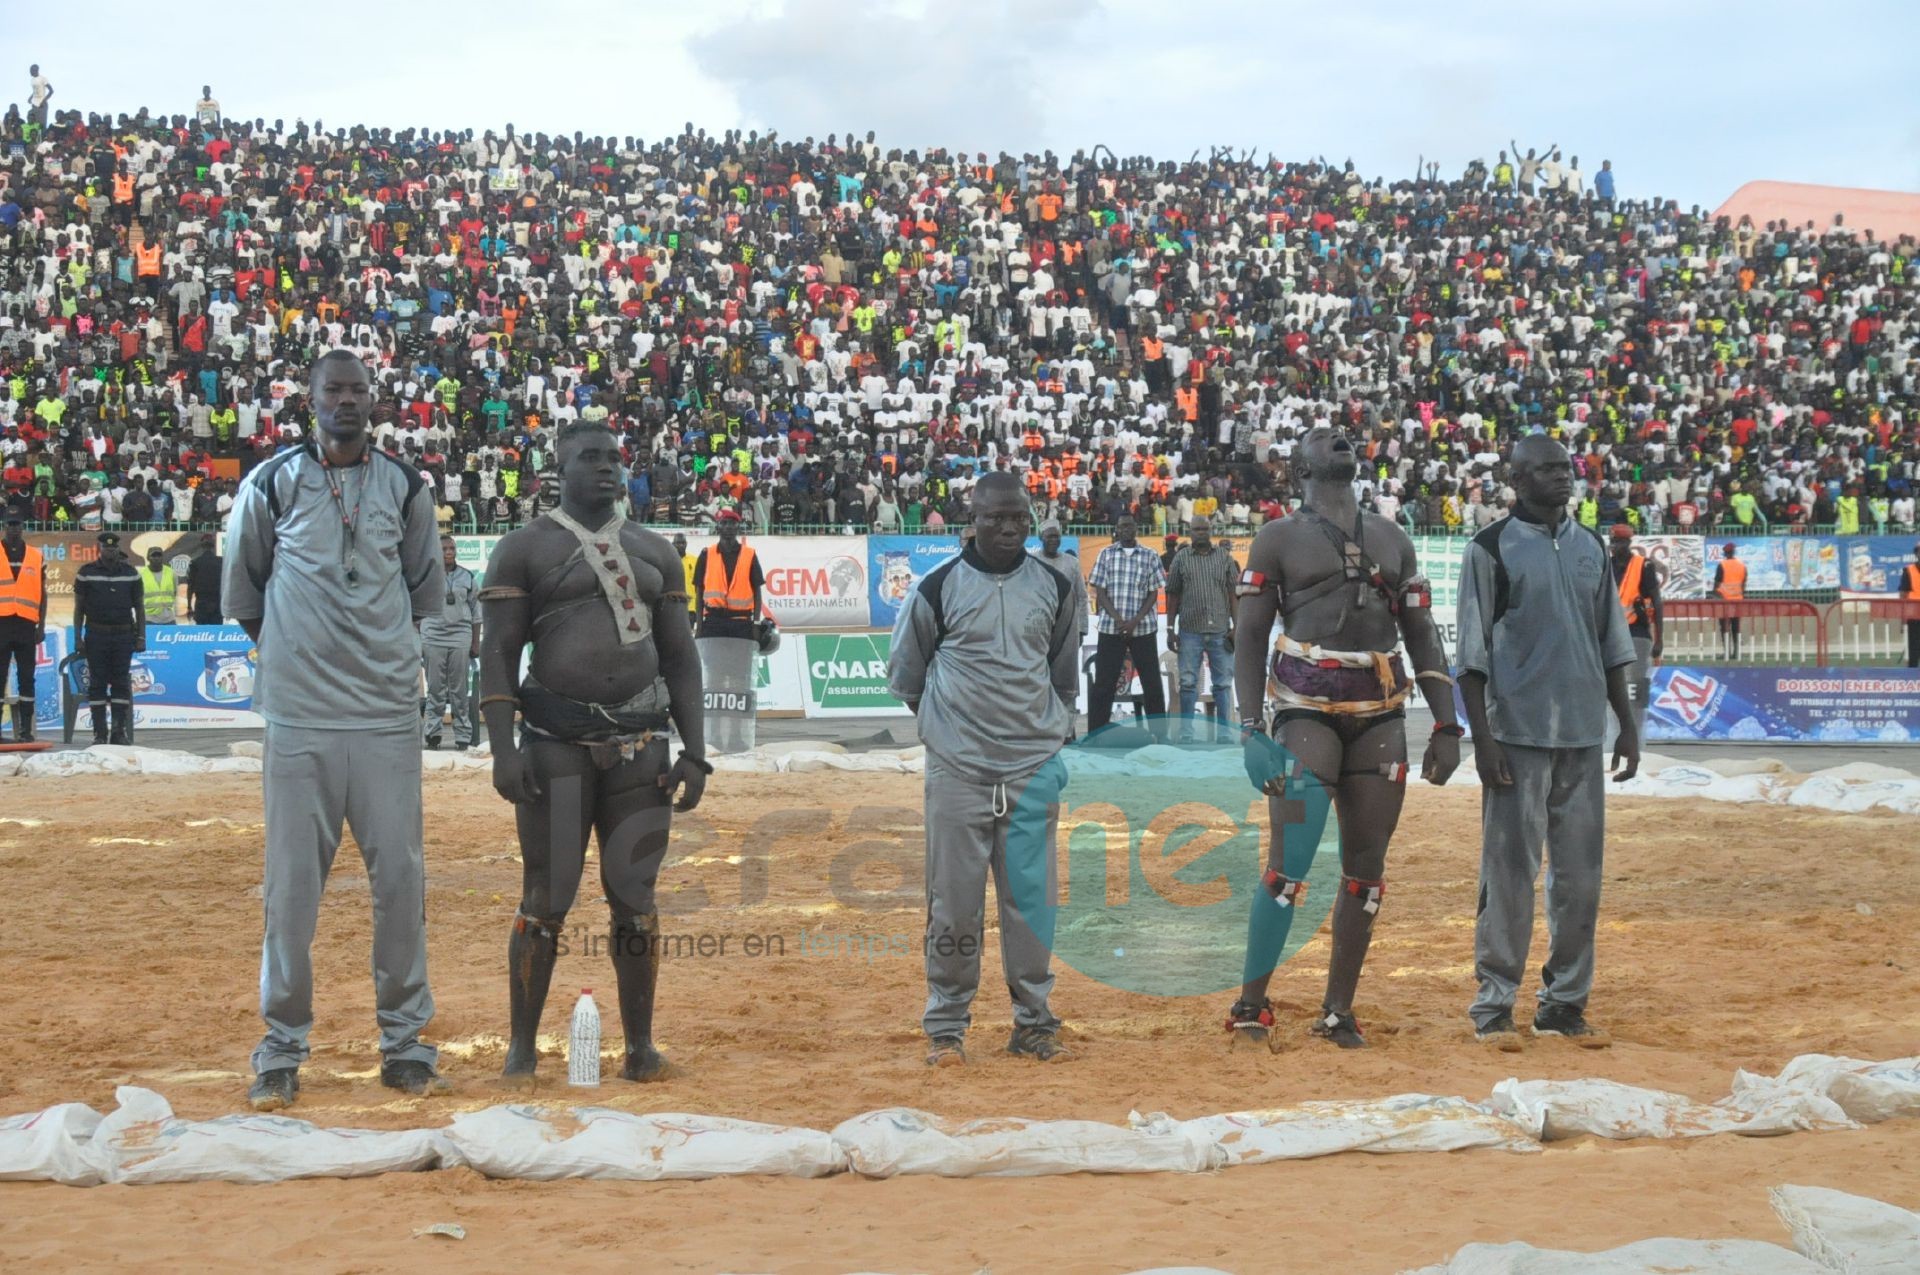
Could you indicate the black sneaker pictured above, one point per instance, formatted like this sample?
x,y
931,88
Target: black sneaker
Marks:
x,y
1042,1043
274,1089
1500,1033
1555,1019
431,743
947,1051
463,744
410,1075
1341,1029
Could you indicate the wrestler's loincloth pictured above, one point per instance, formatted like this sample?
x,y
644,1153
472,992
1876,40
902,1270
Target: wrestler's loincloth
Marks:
x,y
1339,683
611,733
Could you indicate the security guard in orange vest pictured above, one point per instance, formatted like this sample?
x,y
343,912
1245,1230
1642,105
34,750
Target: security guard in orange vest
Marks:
x,y
109,628
730,583
1639,584
23,620
1910,590
1730,585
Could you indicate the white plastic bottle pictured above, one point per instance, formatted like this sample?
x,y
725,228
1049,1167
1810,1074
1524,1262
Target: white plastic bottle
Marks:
x,y
583,1047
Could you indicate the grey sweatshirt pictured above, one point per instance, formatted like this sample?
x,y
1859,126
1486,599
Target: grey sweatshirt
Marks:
x,y
994,693
334,655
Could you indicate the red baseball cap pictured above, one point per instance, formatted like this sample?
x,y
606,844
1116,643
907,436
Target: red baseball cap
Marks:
x,y
727,515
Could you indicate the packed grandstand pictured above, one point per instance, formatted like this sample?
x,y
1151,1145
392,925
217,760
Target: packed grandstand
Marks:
x,y
837,333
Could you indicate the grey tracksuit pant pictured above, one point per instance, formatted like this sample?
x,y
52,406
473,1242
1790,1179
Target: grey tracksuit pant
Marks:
x,y
448,685
370,780
967,837
1557,799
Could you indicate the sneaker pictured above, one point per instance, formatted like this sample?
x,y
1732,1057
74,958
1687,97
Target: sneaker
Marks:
x,y
431,743
463,744
1555,1019
274,1089
947,1051
1499,1033
1042,1043
410,1075
1341,1029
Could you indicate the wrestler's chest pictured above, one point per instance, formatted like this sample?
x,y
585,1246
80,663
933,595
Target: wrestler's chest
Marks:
x,y
597,568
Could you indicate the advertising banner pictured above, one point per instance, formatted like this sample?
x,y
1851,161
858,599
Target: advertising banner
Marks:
x,y
847,675
779,684
897,564
195,675
46,681
1785,705
65,552
812,582
1876,564
1780,562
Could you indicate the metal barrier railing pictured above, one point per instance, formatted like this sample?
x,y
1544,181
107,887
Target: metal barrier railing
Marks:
x,y
1870,630
1750,631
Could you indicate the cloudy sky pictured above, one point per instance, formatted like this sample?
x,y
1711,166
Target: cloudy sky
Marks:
x,y
1688,98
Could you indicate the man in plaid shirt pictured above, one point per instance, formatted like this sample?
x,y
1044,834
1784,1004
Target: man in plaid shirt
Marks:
x,y
1126,581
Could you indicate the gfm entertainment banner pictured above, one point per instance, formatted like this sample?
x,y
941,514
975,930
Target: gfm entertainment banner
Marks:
x,y
1785,705
812,582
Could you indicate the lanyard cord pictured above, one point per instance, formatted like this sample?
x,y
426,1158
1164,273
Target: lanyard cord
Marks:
x,y
349,524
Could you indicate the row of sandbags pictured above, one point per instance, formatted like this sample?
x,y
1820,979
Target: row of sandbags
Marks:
x,y
142,1141
1848,789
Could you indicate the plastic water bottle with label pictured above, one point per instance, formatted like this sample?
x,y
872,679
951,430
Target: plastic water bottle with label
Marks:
x,y
583,1047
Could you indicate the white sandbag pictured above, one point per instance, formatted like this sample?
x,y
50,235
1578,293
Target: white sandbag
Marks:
x,y
882,1144
803,762
142,1142
10,764
1408,1122
1734,767
1867,772
101,759
1556,1109
784,747
50,1146
1868,1092
542,1145
233,765
745,763
247,748
1646,1257
1849,1233
1825,791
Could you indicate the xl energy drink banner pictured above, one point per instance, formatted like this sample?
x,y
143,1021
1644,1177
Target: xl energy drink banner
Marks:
x,y
1785,705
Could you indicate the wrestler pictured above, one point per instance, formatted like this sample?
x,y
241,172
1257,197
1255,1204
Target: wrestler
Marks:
x,y
603,604
1347,588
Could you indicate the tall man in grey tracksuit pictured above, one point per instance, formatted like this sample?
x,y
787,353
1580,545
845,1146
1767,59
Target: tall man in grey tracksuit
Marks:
x,y
984,654
331,561
449,642
1544,650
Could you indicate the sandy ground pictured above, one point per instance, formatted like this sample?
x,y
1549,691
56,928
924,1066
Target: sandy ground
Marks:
x,y
1732,937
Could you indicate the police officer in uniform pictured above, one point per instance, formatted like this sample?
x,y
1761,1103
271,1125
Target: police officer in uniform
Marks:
x,y
109,626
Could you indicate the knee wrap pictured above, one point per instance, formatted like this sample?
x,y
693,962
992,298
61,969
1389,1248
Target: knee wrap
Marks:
x,y
1370,893
1286,891
539,926
641,926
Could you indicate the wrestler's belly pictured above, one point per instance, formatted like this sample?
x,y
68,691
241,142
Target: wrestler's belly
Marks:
x,y
579,655
1367,626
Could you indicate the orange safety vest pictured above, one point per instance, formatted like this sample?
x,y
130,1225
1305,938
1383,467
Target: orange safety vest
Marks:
x,y
719,593
148,257
1733,580
1152,347
122,188
1913,581
1630,600
20,594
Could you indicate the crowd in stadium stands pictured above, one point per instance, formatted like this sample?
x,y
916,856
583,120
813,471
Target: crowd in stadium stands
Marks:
x,y
833,332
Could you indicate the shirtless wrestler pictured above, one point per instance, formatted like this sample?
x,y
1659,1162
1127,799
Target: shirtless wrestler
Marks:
x,y
1347,589
603,603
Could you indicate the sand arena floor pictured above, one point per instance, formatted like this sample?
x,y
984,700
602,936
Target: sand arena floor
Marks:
x,y
1731,937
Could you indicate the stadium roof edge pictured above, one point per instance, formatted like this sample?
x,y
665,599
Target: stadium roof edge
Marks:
x,y
1889,214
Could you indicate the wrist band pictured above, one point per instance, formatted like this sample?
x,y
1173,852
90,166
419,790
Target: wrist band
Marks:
x,y
499,699
1449,728
701,764
1436,675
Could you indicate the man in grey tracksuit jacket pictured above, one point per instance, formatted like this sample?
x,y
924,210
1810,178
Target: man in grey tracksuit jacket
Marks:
x,y
987,660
